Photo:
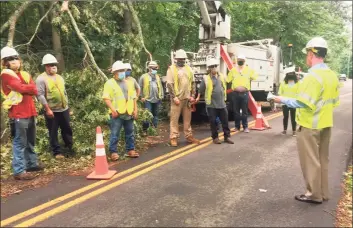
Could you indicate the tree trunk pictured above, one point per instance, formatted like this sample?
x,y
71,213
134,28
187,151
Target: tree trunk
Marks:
x,y
56,39
127,29
178,42
11,23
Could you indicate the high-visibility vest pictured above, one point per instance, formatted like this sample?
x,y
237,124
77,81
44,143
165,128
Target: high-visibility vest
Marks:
x,y
13,98
241,78
209,87
146,86
130,78
119,102
320,93
55,92
286,90
176,78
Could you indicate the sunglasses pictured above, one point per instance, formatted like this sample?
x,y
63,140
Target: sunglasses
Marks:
x,y
52,65
11,58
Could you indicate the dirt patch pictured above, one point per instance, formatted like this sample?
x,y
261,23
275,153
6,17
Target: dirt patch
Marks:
x,y
344,208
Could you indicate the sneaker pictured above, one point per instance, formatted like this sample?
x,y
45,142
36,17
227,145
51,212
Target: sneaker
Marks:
x,y
246,130
284,132
25,176
191,139
216,141
294,134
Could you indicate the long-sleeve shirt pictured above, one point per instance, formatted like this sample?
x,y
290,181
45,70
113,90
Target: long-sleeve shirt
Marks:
x,y
183,84
42,86
153,96
26,108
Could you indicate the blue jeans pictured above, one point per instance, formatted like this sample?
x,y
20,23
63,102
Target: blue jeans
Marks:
x,y
153,108
115,127
24,156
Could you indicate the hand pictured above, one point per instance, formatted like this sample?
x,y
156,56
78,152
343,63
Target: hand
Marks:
x,y
277,99
115,114
197,100
135,114
176,100
143,99
192,100
71,113
49,113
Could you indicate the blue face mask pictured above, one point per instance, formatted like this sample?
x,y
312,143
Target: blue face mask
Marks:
x,y
154,71
128,73
121,75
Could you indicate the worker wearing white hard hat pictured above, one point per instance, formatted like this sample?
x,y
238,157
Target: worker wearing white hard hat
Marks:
x,y
214,89
18,89
317,96
53,97
181,86
120,97
128,74
151,93
240,78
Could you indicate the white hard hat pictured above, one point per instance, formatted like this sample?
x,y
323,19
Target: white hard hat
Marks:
x,y
152,64
118,65
212,62
180,54
48,59
241,56
128,66
289,70
7,52
315,42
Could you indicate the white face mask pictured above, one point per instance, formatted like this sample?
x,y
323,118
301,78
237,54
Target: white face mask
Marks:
x,y
291,83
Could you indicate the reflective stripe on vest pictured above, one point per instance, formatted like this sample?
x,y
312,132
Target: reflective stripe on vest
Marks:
x,y
176,79
209,87
119,102
327,99
146,86
55,91
13,98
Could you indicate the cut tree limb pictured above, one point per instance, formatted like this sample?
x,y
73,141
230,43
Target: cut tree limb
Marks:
x,y
11,23
138,24
39,22
85,43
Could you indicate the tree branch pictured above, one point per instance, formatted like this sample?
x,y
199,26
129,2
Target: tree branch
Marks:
x,y
85,43
11,23
138,24
101,8
40,21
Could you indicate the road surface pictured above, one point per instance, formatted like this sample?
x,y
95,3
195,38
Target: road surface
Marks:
x,y
207,185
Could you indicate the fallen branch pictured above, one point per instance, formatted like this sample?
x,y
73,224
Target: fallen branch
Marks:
x,y
12,22
138,24
85,43
40,21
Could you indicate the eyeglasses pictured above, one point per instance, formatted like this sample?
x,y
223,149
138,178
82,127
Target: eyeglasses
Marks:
x,y
52,65
11,58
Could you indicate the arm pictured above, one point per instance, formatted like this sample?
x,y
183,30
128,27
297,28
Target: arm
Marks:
x,y
253,75
202,87
108,102
137,88
16,85
170,84
229,77
292,103
141,86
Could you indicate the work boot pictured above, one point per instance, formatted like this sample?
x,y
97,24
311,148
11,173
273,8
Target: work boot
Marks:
x,y
216,141
114,156
25,176
294,134
191,139
284,132
59,156
174,142
246,130
227,140
37,168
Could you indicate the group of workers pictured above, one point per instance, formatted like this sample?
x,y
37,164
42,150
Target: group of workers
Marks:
x,y
309,103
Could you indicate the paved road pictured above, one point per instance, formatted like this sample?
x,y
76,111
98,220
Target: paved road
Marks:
x,y
217,185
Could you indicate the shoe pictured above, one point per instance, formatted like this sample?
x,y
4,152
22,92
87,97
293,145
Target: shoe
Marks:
x,y
174,142
227,140
132,154
284,132
294,134
306,199
235,130
191,139
35,169
216,141
59,156
114,156
25,176
246,130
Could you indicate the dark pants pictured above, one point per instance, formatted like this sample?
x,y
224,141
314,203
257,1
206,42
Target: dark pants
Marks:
x,y
223,115
240,102
286,111
62,120
153,108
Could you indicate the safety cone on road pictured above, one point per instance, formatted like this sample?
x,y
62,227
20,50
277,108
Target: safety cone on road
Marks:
x,y
101,171
259,123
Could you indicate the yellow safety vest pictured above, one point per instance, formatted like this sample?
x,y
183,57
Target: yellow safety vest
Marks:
x,y
146,86
55,93
288,91
320,93
209,87
13,98
241,78
130,78
176,79
116,94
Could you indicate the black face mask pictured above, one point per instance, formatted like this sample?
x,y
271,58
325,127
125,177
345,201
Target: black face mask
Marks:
x,y
240,63
181,63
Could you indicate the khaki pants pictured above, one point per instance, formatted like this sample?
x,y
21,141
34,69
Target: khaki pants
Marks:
x,y
313,147
175,111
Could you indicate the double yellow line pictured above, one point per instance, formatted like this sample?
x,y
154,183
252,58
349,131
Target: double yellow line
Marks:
x,y
153,164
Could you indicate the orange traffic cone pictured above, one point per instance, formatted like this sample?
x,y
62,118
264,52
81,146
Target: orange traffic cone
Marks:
x,y
101,171
259,123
